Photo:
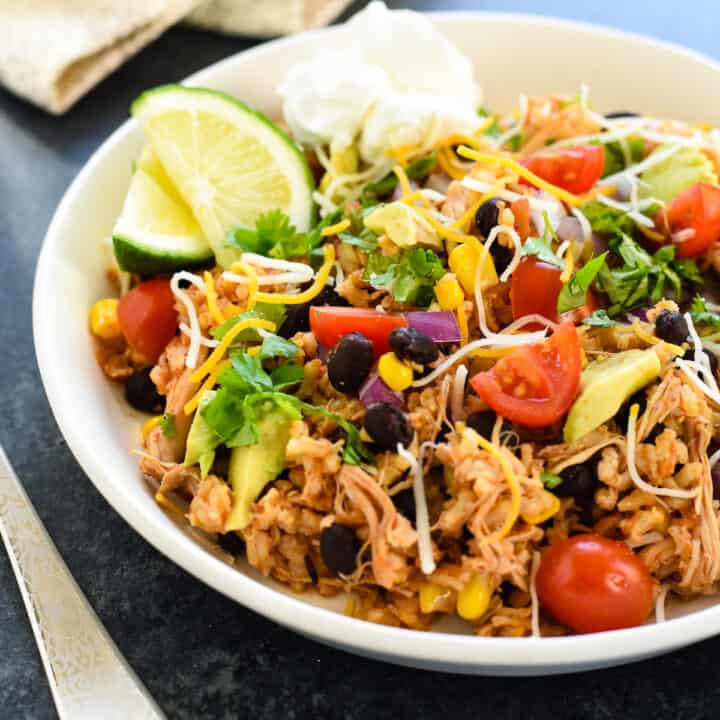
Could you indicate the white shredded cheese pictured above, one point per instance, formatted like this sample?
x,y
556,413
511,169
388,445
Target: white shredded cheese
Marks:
x,y
700,363
207,342
432,195
422,520
195,334
660,604
458,394
584,223
635,475
482,187
714,458
534,603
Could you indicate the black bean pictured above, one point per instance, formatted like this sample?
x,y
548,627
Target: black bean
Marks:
x,y
339,546
405,503
231,543
349,362
501,255
712,358
579,482
482,422
312,572
623,414
387,426
671,327
654,433
487,216
297,318
411,344
620,114
141,393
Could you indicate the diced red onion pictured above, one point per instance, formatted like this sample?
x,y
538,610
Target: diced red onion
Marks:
x,y
640,313
374,390
440,326
569,228
398,191
600,243
682,236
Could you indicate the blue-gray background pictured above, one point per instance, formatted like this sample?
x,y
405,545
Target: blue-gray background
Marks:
x,y
201,655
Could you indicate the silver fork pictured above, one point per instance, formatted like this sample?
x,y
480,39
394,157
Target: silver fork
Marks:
x,y
88,676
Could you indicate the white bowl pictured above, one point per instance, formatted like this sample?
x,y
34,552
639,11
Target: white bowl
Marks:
x,y
513,54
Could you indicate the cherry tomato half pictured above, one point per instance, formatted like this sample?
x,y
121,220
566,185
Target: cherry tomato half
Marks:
x,y
330,323
698,209
592,584
147,317
534,385
575,169
535,288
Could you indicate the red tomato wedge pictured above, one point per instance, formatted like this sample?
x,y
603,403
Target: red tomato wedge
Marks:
x,y
575,169
147,317
535,385
535,288
698,209
591,584
330,323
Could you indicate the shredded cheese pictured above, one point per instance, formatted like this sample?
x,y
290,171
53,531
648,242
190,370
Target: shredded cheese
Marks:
x,y
538,204
211,297
584,224
632,469
707,384
523,172
209,365
207,342
653,340
209,383
660,604
195,333
458,394
515,492
422,520
637,217
467,216
315,289
336,228
714,458
402,179
534,603
163,501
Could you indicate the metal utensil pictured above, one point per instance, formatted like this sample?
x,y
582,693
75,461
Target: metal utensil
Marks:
x,y
88,676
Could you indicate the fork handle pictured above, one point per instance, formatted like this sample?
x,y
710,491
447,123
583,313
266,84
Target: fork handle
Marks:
x,y
89,678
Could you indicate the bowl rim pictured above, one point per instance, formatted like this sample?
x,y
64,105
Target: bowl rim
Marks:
x,y
412,646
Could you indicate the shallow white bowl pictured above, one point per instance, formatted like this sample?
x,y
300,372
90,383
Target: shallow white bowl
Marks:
x,y
513,54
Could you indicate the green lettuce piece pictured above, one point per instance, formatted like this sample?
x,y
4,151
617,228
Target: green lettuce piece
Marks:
x,y
672,176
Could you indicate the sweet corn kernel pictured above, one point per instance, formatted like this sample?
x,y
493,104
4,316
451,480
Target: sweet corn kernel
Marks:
x,y
435,598
448,292
103,319
474,598
546,514
463,261
344,161
397,375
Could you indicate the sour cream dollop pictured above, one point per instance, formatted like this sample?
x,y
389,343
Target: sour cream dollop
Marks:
x,y
399,83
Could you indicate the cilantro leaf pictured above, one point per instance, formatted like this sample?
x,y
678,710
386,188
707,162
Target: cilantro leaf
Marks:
x,y
314,237
167,425
275,346
514,142
287,375
701,313
605,220
550,480
574,292
599,318
416,170
366,240
273,234
409,275
541,249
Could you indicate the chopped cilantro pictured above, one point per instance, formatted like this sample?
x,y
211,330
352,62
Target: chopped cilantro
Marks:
x,y
275,346
574,292
514,142
599,318
701,313
416,170
605,220
550,480
540,248
167,425
409,275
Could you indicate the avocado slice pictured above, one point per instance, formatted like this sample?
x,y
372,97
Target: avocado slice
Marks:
x,y
672,176
201,440
252,467
605,385
403,225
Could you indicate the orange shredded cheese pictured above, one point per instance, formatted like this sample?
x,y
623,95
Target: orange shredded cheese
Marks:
x,y
251,274
211,296
218,353
336,228
209,383
318,284
523,172
653,340
150,424
403,180
163,502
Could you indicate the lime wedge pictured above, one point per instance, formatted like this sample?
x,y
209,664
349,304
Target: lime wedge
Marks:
x,y
156,231
228,162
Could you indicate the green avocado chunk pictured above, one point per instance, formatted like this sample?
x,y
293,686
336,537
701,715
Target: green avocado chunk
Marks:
x,y
672,176
252,467
201,440
605,386
403,225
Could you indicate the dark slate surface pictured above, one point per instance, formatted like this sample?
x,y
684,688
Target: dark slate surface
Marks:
x,y
201,655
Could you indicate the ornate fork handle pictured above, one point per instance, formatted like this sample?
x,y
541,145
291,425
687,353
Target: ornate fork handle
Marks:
x,y
88,676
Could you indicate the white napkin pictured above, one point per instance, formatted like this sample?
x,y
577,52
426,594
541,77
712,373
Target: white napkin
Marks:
x,y
53,51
